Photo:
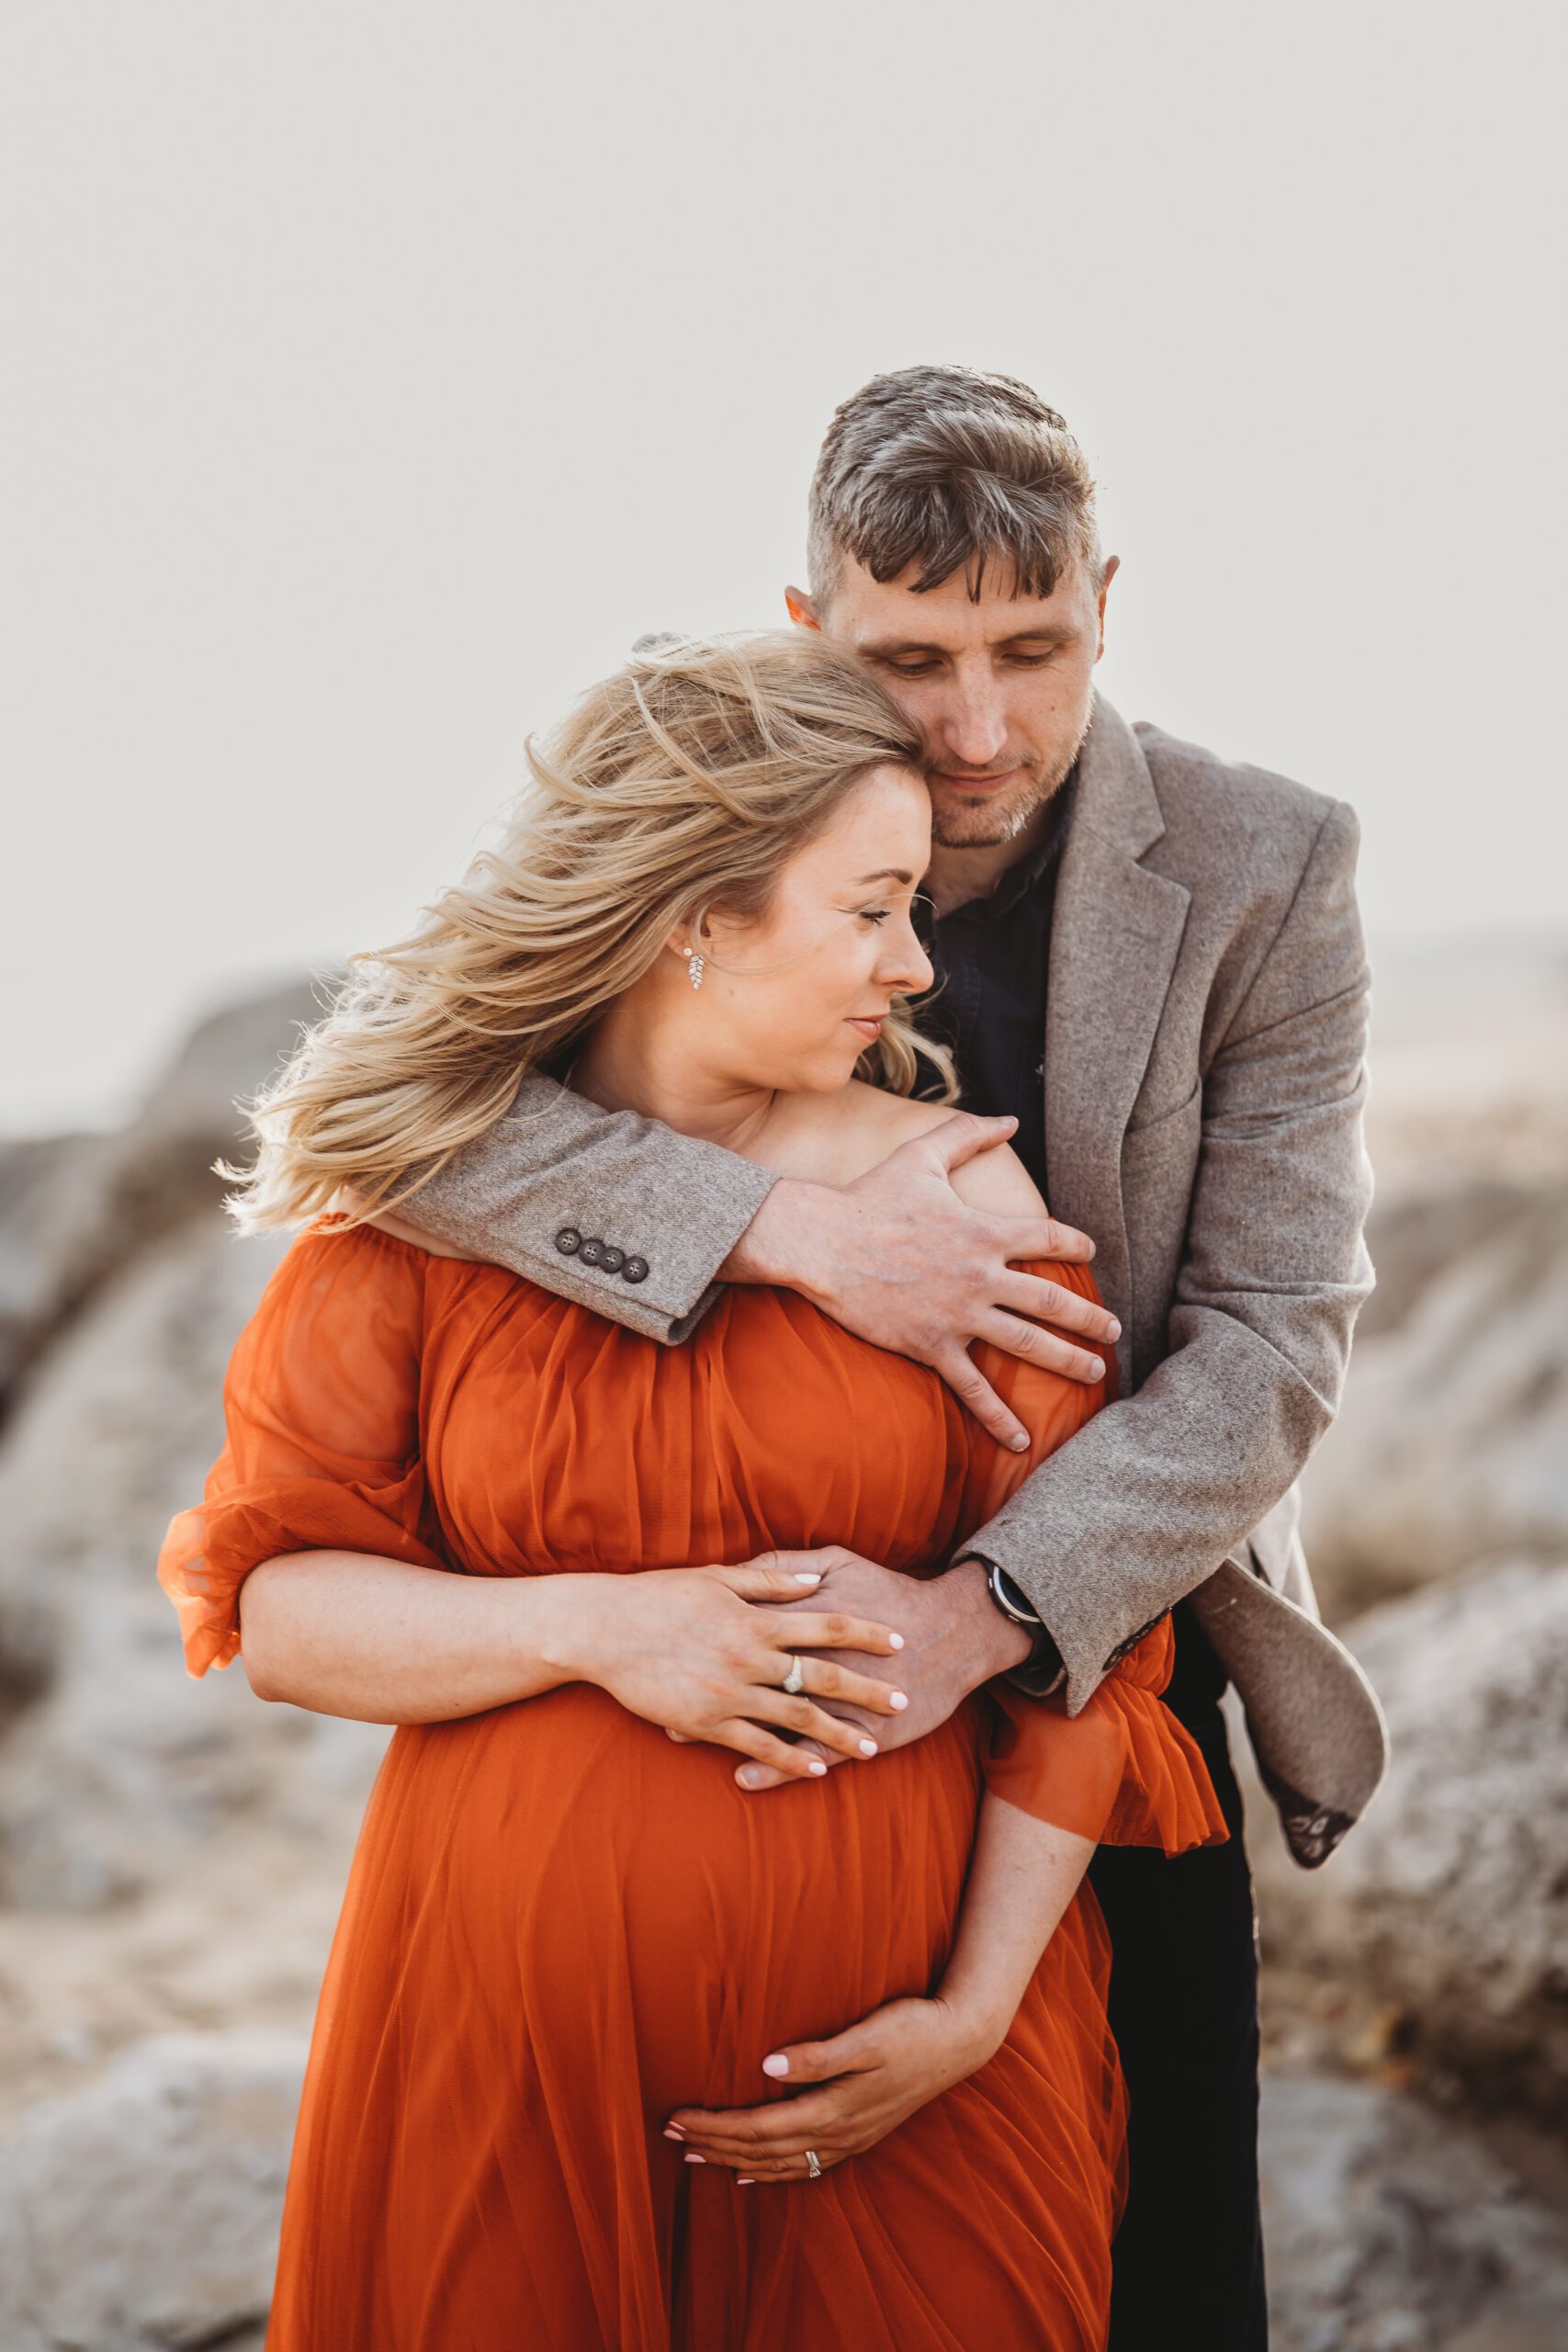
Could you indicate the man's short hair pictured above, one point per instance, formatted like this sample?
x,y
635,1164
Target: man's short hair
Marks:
x,y
949,468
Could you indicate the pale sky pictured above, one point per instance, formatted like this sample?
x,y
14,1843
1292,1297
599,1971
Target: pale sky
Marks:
x,y
377,374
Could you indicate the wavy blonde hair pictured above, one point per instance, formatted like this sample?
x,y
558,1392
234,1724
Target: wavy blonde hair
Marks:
x,y
682,785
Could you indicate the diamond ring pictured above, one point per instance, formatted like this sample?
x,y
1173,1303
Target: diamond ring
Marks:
x,y
812,2164
794,1680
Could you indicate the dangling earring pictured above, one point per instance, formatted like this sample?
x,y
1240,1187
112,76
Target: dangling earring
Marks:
x,y
695,969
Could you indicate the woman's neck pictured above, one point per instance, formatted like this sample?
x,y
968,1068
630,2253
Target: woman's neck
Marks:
x,y
626,1063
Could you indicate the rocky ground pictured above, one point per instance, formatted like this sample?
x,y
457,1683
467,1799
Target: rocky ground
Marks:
x,y
171,1854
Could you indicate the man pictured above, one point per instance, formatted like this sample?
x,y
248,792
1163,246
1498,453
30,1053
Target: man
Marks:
x,y
1152,961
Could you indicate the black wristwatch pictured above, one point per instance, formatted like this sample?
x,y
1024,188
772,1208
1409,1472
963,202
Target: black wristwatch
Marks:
x,y
1017,1605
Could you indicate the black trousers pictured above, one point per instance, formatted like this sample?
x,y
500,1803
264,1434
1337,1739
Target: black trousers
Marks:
x,y
1189,2256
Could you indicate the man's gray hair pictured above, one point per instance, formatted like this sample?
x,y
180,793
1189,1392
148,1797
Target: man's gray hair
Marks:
x,y
948,469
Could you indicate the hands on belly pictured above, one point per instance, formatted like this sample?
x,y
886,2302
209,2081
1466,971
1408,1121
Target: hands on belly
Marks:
x,y
873,2077
955,1639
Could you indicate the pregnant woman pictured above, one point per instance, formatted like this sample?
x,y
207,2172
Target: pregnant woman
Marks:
x,y
540,1544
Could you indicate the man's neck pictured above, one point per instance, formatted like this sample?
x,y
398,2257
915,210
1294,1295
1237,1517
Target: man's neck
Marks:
x,y
958,873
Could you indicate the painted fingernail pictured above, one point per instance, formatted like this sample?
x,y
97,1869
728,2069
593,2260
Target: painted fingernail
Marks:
x,y
898,1700
895,1641
808,1576
777,2063
747,2180
749,1779
693,2158
672,2133
816,1765
868,1747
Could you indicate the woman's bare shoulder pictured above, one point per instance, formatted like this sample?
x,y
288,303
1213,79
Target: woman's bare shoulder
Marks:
x,y
879,1122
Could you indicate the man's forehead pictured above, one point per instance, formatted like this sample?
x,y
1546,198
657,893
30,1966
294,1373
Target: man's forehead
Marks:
x,y
892,615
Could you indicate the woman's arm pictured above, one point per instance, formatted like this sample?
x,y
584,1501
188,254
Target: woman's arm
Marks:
x,y
874,2076
699,1651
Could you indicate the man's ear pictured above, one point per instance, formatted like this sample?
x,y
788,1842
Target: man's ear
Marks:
x,y
801,609
1112,566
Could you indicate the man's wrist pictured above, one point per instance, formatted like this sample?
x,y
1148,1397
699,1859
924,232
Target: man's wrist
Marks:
x,y
782,1244
1035,1662
1006,1644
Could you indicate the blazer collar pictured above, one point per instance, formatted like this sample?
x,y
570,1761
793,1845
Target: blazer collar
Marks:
x,y
1115,937
1116,793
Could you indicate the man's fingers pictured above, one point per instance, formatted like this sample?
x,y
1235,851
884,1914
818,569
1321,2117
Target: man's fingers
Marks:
x,y
974,1392
1048,1302
965,1134
1033,1344
1041,1236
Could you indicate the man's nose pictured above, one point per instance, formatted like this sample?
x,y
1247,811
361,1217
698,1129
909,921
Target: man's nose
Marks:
x,y
972,731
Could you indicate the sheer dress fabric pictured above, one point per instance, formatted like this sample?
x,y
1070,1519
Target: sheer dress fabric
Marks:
x,y
560,1925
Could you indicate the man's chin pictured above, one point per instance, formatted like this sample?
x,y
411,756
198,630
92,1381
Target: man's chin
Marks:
x,y
971,827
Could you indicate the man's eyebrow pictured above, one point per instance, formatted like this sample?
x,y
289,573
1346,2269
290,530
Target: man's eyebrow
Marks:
x,y
885,873
884,649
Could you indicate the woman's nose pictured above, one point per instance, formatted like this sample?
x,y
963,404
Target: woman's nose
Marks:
x,y
905,969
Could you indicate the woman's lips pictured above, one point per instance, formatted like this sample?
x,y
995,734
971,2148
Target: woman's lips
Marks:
x,y
870,1030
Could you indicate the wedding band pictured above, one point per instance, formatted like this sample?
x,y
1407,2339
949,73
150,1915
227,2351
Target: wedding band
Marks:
x,y
794,1680
812,2164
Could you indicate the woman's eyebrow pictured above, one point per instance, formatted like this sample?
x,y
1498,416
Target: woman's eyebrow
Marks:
x,y
886,874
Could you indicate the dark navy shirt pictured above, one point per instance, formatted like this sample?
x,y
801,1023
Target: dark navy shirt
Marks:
x,y
992,959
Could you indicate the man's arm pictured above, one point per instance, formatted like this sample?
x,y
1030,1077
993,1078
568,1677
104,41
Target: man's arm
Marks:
x,y
660,1211
627,1216
1149,1498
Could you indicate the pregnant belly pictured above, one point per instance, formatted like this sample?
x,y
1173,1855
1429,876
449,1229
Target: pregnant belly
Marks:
x,y
560,1880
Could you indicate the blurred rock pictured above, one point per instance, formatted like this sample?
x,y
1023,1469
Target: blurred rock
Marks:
x,y
141,2211
73,1209
1451,1446
121,1766
1449,1901
1391,2229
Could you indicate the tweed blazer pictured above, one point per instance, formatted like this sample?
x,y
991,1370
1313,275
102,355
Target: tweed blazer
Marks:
x,y
1204,1083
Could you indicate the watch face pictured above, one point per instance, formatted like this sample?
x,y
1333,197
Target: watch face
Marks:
x,y
1010,1599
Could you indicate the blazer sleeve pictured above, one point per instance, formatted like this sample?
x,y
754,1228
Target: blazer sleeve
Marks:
x,y
1154,1493
557,1166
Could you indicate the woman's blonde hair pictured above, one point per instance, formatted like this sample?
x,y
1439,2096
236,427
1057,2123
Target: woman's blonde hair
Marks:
x,y
684,783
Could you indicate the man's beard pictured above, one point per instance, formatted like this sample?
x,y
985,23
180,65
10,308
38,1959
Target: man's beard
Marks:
x,y
986,824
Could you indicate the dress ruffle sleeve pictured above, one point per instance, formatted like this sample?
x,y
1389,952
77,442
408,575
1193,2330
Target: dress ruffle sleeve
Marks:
x,y
1123,1770
322,1408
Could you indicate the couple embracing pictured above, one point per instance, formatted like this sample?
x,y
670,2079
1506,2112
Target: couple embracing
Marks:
x,y
803,1903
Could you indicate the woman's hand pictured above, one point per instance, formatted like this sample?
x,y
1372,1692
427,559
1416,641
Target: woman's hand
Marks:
x,y
702,1652
874,2077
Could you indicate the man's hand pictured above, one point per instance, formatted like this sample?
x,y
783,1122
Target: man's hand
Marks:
x,y
955,1639
873,2076
899,1258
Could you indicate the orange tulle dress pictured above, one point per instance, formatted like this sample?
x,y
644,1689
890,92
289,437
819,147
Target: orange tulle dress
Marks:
x,y
561,1925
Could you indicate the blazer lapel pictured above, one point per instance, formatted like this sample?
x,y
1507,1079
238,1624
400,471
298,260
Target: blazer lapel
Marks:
x,y
1114,937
